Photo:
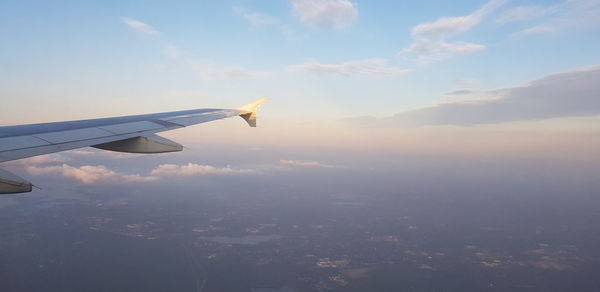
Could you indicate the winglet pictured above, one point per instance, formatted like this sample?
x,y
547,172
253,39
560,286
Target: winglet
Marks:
x,y
248,112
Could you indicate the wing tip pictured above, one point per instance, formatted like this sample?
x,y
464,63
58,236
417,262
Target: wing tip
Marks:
x,y
248,111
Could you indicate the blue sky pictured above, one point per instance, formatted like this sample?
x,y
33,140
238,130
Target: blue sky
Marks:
x,y
343,58
353,85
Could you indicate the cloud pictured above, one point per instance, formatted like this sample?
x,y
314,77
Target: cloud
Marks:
x,y
461,91
173,52
447,26
566,94
526,13
138,178
255,18
91,174
87,174
211,70
571,14
192,169
538,29
328,14
430,51
360,67
308,164
430,43
140,26
39,160
207,69
184,94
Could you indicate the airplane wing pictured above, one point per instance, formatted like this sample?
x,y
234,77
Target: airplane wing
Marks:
x,y
133,134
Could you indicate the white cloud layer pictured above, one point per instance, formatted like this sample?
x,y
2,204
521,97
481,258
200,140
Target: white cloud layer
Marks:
x,y
329,14
91,174
566,94
431,43
360,67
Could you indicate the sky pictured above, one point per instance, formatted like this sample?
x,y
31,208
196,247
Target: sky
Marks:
x,y
457,113
484,75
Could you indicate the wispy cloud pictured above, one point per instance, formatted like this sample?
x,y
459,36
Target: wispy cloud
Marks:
x,y
212,70
259,19
526,13
207,69
140,26
192,169
431,43
254,18
461,91
307,164
429,51
359,67
567,94
448,26
328,14
568,15
538,29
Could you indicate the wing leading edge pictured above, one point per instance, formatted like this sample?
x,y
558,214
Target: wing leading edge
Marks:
x,y
135,134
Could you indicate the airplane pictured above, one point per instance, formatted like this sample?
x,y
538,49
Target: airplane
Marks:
x,y
131,134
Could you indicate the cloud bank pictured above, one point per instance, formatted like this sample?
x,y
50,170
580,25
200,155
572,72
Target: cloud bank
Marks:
x,y
566,94
91,174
